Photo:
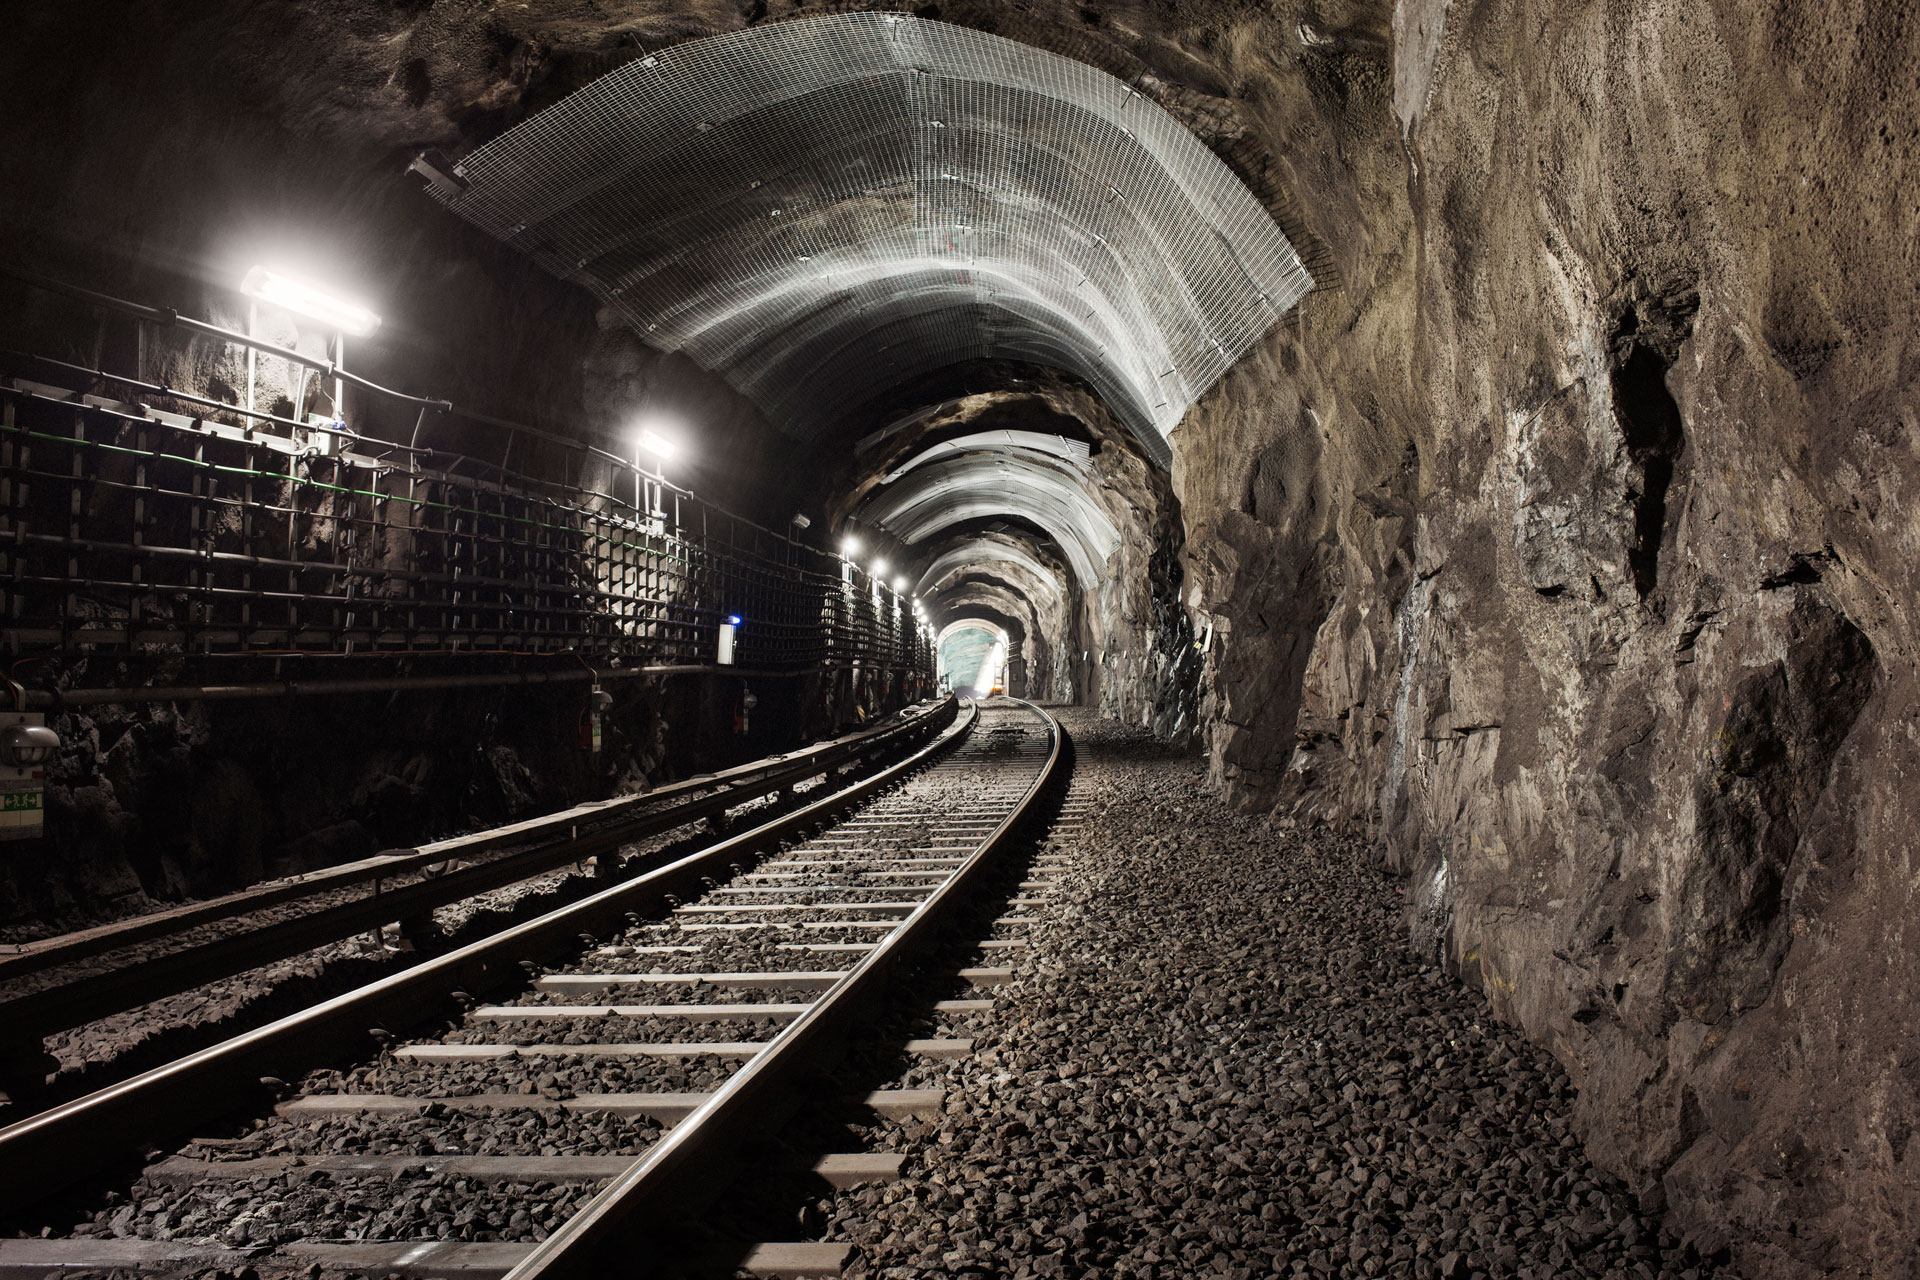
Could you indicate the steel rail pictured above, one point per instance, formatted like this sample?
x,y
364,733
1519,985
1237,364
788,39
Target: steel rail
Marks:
x,y
51,1150
627,1228
607,825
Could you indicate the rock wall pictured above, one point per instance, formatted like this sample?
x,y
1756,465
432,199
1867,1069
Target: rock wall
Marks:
x,y
1564,544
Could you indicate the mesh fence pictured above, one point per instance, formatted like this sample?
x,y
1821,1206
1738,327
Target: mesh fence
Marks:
x,y
820,208
129,527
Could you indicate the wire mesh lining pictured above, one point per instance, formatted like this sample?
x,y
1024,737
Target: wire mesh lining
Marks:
x,y
139,527
949,490
820,208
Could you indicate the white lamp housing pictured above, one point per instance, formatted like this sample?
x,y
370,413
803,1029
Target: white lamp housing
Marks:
x,y
279,290
657,445
26,746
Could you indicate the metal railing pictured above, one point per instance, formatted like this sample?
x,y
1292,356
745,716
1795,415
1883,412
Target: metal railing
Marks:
x,y
124,525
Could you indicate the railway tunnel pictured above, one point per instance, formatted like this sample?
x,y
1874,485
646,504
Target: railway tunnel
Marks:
x,y
1213,639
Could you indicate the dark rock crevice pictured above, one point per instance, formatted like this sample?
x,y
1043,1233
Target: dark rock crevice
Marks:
x,y
1771,757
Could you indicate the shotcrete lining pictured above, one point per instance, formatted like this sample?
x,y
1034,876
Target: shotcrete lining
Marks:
x,y
1008,441
944,493
821,208
981,551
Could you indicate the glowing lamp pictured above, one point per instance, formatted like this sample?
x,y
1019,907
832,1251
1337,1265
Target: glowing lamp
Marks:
x,y
29,746
296,295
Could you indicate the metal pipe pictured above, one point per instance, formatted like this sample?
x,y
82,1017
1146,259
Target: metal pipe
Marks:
x,y
43,700
175,393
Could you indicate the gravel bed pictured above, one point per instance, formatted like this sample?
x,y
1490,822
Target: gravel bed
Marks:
x,y
449,1131
672,993
1220,1058
723,953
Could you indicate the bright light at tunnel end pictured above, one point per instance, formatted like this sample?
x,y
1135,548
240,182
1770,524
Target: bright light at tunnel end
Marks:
x,y
983,678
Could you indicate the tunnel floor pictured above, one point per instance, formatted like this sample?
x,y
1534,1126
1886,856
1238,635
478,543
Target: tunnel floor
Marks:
x,y
1220,1057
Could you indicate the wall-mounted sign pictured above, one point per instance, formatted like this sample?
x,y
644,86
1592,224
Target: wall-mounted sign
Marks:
x,y
26,746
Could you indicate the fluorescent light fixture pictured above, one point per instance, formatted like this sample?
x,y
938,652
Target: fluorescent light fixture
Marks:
x,y
656,444
295,295
849,546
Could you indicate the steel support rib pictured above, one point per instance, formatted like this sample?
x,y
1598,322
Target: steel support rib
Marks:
x,y
45,1152
620,1231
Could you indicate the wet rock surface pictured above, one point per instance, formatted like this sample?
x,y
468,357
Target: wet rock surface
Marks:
x,y
1221,1058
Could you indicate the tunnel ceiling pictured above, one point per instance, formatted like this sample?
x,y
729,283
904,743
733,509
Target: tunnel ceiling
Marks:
x,y
1002,441
821,209
973,552
1053,495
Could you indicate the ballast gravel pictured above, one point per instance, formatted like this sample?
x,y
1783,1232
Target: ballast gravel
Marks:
x,y
1219,1057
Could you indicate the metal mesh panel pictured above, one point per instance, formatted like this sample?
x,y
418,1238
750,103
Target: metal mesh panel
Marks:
x,y
819,208
947,491
130,527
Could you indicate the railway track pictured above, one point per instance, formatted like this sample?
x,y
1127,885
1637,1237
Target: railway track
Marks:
x,y
559,1099
62,983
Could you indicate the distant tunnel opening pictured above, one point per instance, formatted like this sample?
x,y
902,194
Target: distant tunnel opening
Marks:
x,y
973,658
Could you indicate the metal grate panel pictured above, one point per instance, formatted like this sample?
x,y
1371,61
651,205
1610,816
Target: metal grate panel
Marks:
x,y
820,208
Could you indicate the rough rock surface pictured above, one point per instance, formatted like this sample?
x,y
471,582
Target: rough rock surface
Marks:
x,y
1564,548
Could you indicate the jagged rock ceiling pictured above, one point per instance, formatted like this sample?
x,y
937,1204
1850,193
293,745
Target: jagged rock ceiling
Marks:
x,y
820,209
